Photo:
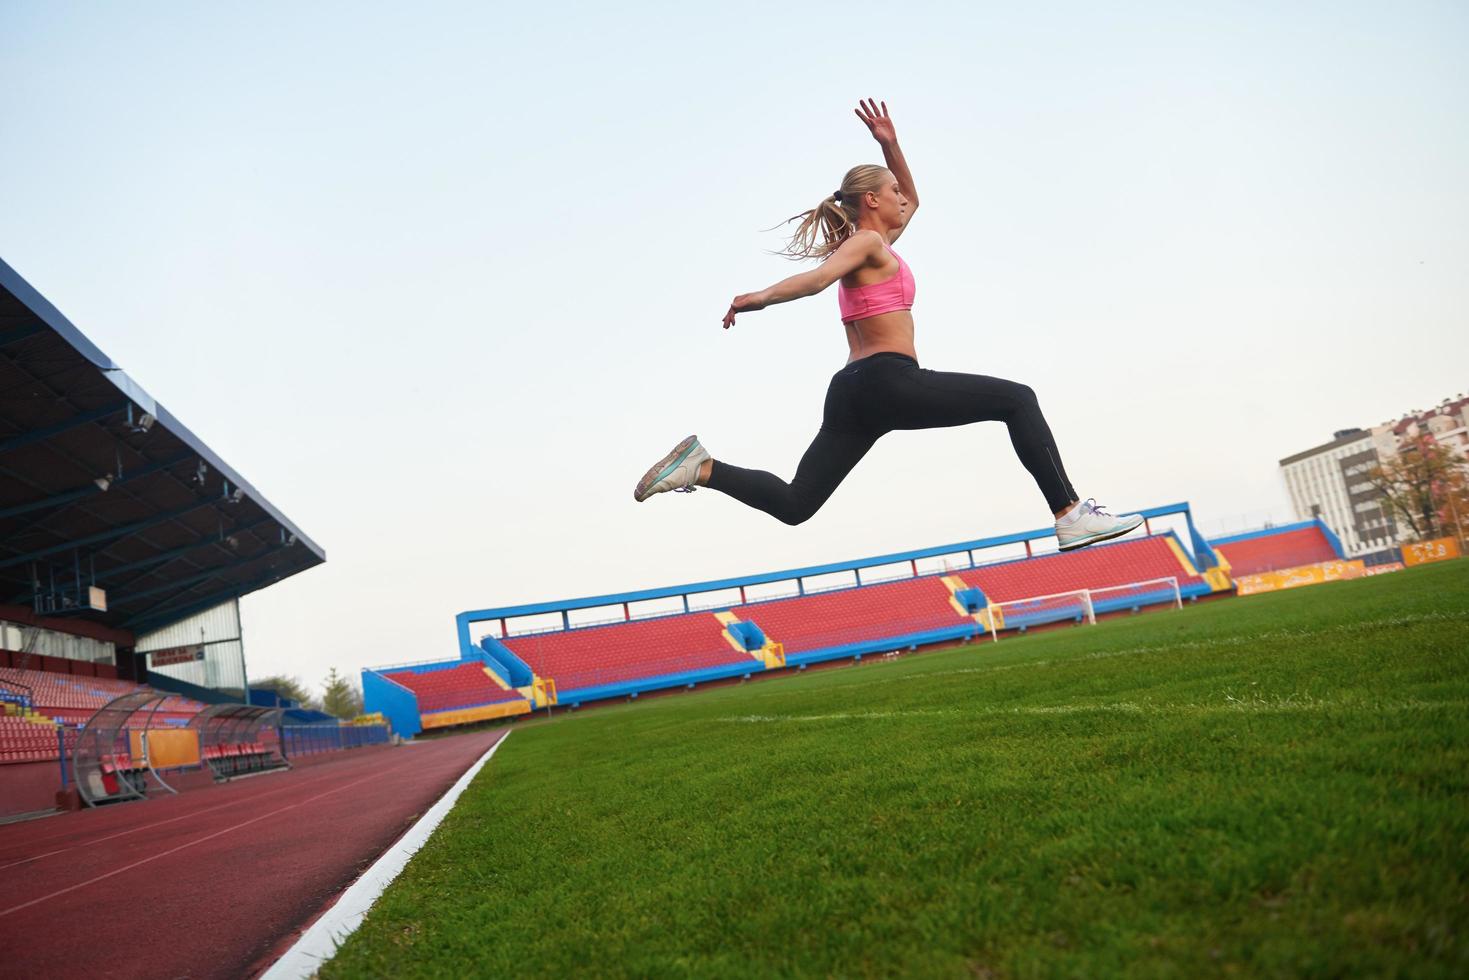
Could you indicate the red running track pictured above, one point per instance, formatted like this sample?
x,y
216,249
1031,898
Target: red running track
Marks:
x,y
216,882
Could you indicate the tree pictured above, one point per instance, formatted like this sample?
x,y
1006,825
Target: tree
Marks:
x,y
339,697
1452,495
286,687
1424,486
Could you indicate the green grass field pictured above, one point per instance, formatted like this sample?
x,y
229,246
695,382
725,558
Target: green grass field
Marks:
x,y
1276,785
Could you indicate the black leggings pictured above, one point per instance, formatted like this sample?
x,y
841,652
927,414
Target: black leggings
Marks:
x,y
878,394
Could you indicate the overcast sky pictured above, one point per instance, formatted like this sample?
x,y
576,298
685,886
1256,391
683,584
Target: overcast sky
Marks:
x,y
441,280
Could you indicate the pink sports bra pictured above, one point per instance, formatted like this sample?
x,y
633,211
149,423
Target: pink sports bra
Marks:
x,y
894,293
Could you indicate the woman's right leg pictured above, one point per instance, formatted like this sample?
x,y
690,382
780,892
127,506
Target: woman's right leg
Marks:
x,y
918,398
921,399
827,462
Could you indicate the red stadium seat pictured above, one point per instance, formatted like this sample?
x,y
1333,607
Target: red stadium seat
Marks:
x,y
596,655
1270,552
1097,567
72,699
461,686
827,619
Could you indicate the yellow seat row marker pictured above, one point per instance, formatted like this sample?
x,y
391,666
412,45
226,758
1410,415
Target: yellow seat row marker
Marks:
x,y
772,654
532,692
954,583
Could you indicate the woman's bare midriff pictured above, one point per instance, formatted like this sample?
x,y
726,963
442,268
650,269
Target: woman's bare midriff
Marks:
x,y
884,333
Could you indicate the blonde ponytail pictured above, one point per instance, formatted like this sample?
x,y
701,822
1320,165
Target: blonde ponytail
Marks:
x,y
823,229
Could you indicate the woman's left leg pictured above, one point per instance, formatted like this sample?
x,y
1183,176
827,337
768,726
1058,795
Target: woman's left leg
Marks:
x,y
825,464
840,444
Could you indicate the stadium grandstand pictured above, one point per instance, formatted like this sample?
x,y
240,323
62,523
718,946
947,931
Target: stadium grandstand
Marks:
x,y
126,543
575,651
1278,548
1293,555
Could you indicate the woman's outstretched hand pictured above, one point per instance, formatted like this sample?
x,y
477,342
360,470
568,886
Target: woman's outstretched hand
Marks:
x,y
875,115
743,303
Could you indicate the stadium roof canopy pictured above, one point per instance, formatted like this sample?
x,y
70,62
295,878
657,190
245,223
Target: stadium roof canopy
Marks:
x,y
101,485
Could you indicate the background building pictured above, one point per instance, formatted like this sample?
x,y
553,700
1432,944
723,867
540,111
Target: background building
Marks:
x,y
1331,482
1448,424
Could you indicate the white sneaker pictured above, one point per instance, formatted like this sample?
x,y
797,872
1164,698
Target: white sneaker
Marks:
x,y
1089,522
677,471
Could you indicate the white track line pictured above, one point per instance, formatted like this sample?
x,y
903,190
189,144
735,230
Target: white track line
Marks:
x,y
320,942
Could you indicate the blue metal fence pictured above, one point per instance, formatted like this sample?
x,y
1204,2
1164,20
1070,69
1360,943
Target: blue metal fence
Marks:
x,y
307,739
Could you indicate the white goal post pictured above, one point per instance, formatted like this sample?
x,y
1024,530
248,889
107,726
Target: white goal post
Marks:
x,y
1080,604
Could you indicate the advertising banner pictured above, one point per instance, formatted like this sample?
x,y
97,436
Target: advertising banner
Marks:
x,y
1293,578
176,655
1423,552
167,747
1383,569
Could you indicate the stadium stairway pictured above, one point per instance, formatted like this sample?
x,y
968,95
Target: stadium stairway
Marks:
x,y
748,638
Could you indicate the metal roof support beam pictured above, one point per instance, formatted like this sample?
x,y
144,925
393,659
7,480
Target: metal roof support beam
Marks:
x,y
39,435
62,396
211,540
108,573
108,535
177,585
182,583
36,486
127,491
89,490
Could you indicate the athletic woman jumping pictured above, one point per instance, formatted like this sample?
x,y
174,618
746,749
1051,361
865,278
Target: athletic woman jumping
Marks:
x,y
882,388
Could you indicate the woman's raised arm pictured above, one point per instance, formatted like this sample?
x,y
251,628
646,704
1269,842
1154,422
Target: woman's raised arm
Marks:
x,y
875,116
